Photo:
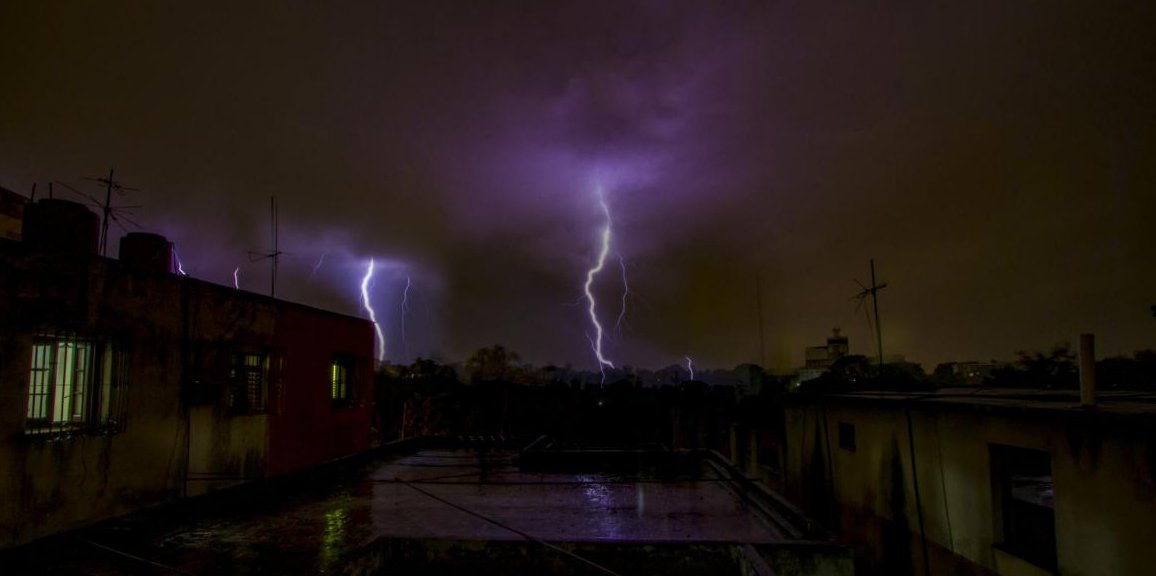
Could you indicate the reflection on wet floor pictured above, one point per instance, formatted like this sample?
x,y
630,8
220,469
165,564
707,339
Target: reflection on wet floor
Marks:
x,y
444,494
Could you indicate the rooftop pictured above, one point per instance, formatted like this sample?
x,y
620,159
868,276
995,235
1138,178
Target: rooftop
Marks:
x,y
438,499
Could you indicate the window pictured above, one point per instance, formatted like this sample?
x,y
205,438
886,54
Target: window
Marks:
x,y
248,378
340,380
74,384
1025,514
847,436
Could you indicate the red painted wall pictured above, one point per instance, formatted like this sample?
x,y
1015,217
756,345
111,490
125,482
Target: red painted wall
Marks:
x,y
305,428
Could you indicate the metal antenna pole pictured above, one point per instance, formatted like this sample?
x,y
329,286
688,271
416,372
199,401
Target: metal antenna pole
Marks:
x,y
106,209
276,253
873,292
759,305
875,301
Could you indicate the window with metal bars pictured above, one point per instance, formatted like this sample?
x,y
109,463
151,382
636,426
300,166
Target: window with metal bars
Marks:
x,y
248,379
340,380
75,384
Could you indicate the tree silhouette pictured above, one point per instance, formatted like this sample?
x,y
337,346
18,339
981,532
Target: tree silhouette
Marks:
x,y
493,363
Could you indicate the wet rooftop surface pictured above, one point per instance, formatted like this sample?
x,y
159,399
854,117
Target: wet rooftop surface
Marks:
x,y
439,494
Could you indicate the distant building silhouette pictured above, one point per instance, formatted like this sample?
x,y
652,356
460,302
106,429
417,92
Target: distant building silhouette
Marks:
x,y
818,359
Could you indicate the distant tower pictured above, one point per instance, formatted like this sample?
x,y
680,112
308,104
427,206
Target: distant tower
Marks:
x,y
837,346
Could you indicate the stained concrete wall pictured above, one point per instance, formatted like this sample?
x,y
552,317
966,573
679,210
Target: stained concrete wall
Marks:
x,y
52,482
1103,468
179,437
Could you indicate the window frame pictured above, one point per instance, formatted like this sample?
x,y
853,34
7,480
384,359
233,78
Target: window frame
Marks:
x,y
342,372
76,384
248,395
1024,515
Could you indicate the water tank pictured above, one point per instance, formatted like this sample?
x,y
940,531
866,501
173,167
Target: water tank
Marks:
x,y
146,251
56,225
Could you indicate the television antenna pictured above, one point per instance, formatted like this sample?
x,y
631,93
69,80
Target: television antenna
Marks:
x,y
115,214
107,209
872,292
275,255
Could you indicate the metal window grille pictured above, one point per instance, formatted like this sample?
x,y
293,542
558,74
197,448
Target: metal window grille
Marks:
x,y
340,372
249,377
76,384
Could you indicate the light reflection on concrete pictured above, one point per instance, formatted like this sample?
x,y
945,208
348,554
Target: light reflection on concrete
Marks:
x,y
552,506
310,533
333,540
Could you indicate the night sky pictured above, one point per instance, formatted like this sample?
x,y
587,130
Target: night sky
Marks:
x,y
997,160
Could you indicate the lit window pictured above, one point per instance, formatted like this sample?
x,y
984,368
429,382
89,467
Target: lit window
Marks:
x,y
340,373
247,381
74,384
1026,517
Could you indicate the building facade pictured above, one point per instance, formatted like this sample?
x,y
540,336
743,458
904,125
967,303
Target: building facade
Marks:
x,y
124,385
1015,482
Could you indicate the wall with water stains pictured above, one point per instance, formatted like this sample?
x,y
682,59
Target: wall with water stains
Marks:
x,y
1103,466
175,433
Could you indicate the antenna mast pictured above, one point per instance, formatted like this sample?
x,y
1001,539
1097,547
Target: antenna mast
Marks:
x,y
107,208
759,306
874,292
276,254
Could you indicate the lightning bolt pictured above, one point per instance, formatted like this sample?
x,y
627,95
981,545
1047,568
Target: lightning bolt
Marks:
x,y
596,341
372,315
180,267
690,367
625,293
404,311
318,264
236,282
